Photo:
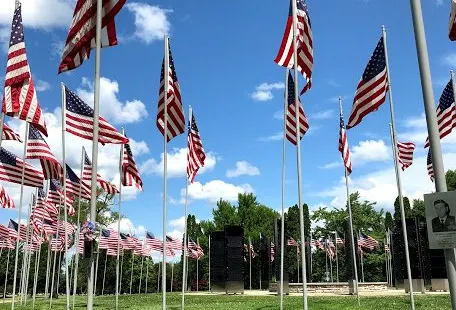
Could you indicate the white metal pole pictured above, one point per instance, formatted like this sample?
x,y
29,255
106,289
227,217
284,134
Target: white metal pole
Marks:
x,y
282,221
19,215
298,155
398,174
118,281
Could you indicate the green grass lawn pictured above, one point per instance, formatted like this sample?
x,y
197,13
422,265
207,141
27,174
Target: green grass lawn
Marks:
x,y
239,302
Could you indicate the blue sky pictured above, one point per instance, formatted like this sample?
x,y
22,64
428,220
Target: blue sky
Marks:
x,y
223,53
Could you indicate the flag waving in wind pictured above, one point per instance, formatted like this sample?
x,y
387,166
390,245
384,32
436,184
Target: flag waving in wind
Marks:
x,y
304,41
196,154
19,98
371,91
130,173
291,114
175,112
343,145
81,36
405,153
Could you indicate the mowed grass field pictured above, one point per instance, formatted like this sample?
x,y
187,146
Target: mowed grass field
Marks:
x,y
240,302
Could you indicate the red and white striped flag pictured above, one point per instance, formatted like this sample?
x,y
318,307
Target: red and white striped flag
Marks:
x,y
430,167
37,148
9,134
405,153
371,91
5,200
11,170
107,187
304,41
176,118
196,155
291,114
19,98
79,121
446,112
343,145
292,242
81,36
130,173
452,22
173,244
154,243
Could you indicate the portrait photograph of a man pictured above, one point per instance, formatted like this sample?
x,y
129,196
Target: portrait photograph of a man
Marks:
x,y
444,221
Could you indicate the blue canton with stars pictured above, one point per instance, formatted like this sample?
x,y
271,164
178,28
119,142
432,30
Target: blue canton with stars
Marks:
x,y
71,175
41,193
34,134
17,30
377,63
429,157
7,157
76,105
54,185
291,89
447,97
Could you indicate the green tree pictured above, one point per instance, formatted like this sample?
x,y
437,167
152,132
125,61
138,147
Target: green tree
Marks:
x,y
224,214
418,208
389,223
397,211
450,177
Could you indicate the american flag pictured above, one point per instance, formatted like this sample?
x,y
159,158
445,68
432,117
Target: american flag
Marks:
x,y
452,23
9,134
11,170
81,36
340,241
173,244
56,195
343,145
130,173
292,242
108,239
304,41
154,243
194,250
37,148
291,114
19,98
446,112
107,187
15,229
42,202
430,167
5,200
319,244
367,242
372,87
196,154
74,184
175,112
79,121
405,153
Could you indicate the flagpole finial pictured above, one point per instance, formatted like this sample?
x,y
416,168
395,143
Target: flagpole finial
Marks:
x,y
17,4
383,28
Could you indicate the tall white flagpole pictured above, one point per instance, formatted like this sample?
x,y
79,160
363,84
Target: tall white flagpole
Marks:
x,y
26,251
282,221
48,270
140,275
118,221
96,112
297,259
37,269
131,268
96,266
398,174
350,222
209,263
27,125
337,260
67,281
298,155
165,166
184,268
147,273
76,265
55,253
104,273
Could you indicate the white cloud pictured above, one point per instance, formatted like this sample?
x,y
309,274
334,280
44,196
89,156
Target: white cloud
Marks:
x,y
42,85
214,190
333,83
40,14
177,164
323,115
380,186
178,224
127,227
275,137
332,165
111,107
370,151
242,168
151,22
263,92
450,60
438,2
